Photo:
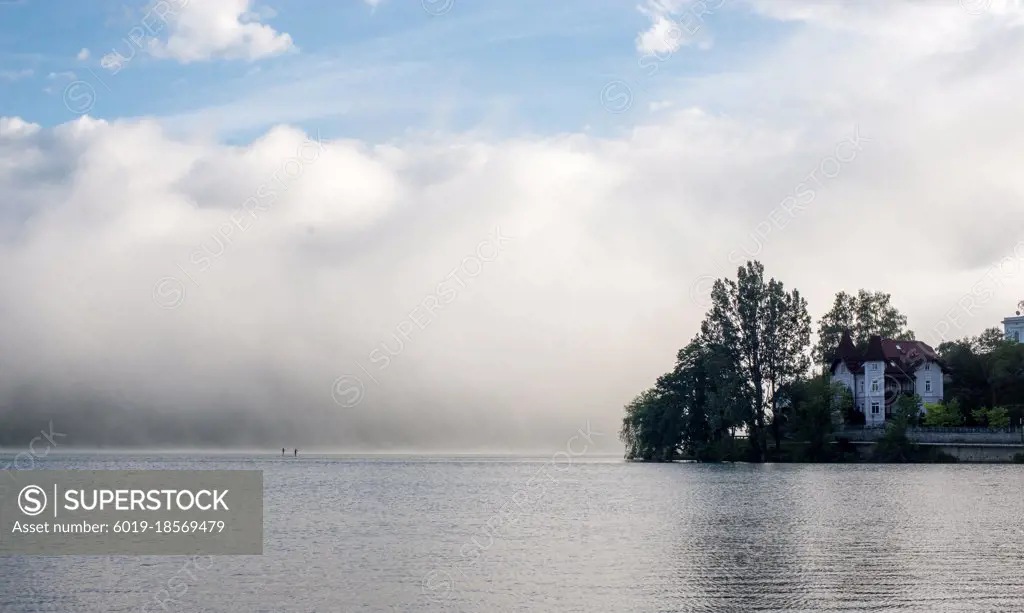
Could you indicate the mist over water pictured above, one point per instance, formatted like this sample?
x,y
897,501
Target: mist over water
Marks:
x,y
80,424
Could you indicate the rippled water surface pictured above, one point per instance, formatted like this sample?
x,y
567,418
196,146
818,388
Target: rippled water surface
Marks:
x,y
498,534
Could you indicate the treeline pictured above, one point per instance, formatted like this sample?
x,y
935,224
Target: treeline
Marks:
x,y
750,386
987,379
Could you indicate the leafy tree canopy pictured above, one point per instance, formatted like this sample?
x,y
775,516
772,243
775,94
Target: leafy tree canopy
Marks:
x,y
764,333
865,315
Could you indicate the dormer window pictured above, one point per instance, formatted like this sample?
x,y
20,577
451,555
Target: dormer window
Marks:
x,y
927,365
874,366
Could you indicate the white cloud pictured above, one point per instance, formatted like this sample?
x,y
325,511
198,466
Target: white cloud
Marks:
x,y
58,77
585,306
660,105
15,75
83,55
675,24
894,21
16,127
221,29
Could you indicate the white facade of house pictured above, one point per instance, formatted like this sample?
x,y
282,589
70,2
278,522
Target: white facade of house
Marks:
x,y
848,379
928,382
1014,328
868,388
874,393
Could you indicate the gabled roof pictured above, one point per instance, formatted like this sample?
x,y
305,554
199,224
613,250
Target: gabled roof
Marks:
x,y
875,352
847,354
916,351
900,357
911,354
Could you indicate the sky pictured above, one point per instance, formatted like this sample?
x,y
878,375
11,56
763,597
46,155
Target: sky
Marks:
x,y
471,226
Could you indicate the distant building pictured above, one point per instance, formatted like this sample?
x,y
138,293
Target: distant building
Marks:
x,y
1014,327
885,370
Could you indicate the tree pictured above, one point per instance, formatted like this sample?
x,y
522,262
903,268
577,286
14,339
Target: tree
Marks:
x,y
763,332
632,433
712,397
985,372
865,315
943,414
907,411
650,427
1006,373
727,402
989,340
998,417
980,416
968,376
689,382
787,335
908,408
818,408
695,408
895,446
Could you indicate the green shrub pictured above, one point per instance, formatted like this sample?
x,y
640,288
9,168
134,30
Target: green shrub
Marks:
x,y
943,415
998,417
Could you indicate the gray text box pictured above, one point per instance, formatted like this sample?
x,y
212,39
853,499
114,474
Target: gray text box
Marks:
x,y
131,512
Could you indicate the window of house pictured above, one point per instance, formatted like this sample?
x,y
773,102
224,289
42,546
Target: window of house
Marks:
x,y
1016,335
874,408
874,385
874,367
860,384
928,366
928,385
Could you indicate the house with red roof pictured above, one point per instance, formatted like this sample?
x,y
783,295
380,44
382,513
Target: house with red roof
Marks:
x,y
886,369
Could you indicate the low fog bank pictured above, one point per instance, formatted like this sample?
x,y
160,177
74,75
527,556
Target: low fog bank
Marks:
x,y
96,422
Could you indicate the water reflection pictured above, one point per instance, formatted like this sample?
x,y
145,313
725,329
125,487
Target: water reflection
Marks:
x,y
346,534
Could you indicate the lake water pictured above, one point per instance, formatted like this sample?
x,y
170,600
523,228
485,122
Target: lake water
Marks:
x,y
346,534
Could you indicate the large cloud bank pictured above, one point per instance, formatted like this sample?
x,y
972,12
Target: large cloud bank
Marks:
x,y
464,292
